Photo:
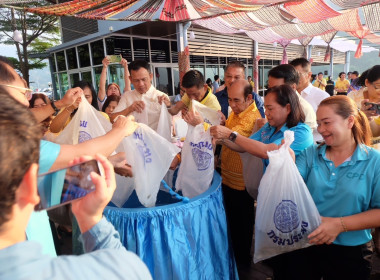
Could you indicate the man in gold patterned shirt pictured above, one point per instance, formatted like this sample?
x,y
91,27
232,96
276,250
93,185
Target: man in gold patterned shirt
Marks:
x,y
238,203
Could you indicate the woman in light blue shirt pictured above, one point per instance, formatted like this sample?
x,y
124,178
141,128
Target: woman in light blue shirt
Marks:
x,y
343,178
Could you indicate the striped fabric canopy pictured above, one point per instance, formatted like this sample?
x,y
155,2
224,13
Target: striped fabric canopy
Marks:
x,y
262,20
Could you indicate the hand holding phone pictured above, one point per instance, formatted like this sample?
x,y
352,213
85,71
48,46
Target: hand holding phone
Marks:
x,y
114,58
375,107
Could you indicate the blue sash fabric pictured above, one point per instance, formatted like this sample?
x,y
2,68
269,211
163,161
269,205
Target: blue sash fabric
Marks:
x,y
180,240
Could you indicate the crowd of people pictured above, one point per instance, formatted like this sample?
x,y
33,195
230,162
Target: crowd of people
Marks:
x,y
333,134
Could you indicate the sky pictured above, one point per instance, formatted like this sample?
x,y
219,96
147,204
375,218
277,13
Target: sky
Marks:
x,y
38,78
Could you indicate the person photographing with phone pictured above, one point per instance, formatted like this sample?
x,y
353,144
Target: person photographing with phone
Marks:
x,y
21,259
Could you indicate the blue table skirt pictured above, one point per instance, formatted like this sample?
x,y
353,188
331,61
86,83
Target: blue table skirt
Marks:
x,y
180,240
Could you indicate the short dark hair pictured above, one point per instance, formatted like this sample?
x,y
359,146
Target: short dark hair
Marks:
x,y
19,149
138,64
216,77
109,100
355,73
85,84
286,95
319,73
193,78
36,96
286,72
300,61
235,64
6,76
341,73
348,73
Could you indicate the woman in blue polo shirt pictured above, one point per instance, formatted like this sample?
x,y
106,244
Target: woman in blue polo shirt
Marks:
x,y
343,178
283,112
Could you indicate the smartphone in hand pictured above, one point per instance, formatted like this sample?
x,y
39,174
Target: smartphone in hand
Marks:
x,y
375,106
66,185
115,58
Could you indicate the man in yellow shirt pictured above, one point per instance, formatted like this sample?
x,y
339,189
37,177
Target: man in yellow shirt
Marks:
x,y
320,82
249,78
238,203
196,89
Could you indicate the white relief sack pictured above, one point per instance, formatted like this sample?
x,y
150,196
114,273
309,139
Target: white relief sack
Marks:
x,y
253,169
197,167
150,156
209,115
164,123
286,213
87,123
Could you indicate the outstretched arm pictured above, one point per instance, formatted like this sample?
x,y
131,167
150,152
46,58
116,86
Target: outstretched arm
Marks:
x,y
127,81
103,79
104,145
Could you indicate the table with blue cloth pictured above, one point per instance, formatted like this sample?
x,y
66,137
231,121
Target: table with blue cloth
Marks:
x,y
179,240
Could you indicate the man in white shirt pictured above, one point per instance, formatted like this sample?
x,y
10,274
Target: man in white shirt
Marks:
x,y
142,102
287,74
312,94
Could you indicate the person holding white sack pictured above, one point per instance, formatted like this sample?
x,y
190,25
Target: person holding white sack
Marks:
x,y
342,175
142,102
196,89
283,112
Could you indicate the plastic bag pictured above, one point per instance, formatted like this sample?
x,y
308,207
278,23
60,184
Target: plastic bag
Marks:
x,y
87,123
253,169
164,123
197,168
209,115
150,156
286,213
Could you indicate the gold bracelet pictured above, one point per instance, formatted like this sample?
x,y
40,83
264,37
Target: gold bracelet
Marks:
x,y
343,225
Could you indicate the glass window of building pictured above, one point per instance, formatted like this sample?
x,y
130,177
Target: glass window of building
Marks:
x,y
64,82
174,51
116,75
61,63
140,49
86,76
176,81
164,82
74,78
197,59
97,51
119,45
221,73
222,60
97,72
159,51
84,56
59,95
211,59
71,58
211,71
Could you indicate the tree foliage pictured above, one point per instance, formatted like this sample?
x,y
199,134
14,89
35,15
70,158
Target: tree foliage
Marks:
x,y
39,33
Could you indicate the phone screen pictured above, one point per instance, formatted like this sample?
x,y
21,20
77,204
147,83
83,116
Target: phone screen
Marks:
x,y
63,186
115,58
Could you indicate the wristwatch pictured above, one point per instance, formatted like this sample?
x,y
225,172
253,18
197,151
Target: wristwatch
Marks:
x,y
233,136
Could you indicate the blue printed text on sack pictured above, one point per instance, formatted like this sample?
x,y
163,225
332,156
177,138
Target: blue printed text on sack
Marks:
x,y
202,144
295,237
143,147
83,123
